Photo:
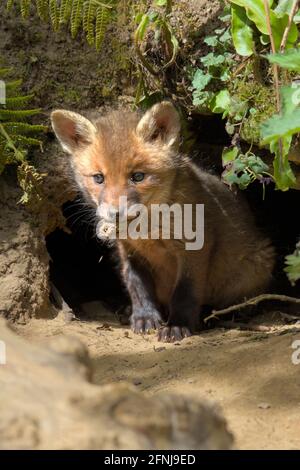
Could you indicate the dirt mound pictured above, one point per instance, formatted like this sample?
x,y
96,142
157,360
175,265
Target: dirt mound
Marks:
x,y
47,402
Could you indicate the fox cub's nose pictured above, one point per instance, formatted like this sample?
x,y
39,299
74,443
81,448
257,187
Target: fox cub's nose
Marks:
x,y
111,213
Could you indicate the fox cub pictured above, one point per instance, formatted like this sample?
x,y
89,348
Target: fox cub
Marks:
x,y
128,154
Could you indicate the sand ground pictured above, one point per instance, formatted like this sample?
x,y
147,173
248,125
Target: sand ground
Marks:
x,y
249,374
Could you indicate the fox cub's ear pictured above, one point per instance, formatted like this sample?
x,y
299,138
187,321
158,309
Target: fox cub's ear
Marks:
x,y
160,123
72,130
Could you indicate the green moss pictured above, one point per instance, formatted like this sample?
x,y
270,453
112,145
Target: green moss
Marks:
x,y
261,105
68,95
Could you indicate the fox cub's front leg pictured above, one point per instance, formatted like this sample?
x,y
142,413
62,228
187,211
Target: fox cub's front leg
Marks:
x,y
184,313
145,315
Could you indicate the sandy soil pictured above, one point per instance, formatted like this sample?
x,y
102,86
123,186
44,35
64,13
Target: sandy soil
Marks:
x,y
250,374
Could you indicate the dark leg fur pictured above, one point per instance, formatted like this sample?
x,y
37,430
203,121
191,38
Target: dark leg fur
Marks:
x,y
183,315
145,315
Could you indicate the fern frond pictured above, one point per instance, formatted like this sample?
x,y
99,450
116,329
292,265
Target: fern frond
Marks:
x,y
5,71
93,16
17,114
17,136
54,14
65,11
9,4
13,86
25,141
23,128
89,13
103,16
42,7
76,17
17,102
25,8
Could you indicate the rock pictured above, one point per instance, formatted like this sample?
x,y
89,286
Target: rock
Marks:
x,y
47,401
264,406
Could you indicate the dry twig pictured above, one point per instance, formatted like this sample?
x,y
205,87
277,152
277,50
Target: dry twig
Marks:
x,y
254,301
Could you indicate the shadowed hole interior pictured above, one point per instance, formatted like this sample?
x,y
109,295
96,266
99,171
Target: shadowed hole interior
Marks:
x,y
82,268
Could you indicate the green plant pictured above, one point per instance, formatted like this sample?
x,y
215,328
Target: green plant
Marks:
x,y
164,46
209,80
93,16
293,265
244,168
259,23
249,98
17,135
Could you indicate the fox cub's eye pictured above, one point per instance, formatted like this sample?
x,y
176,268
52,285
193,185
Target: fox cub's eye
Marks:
x,y
98,178
137,177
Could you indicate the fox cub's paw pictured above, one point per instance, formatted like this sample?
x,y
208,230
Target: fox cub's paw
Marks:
x,y
170,334
145,322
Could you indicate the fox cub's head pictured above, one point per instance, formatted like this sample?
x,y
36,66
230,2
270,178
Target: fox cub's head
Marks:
x,y
122,154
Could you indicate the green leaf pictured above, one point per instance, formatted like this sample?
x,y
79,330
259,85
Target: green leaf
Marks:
x,y
225,37
290,97
296,18
142,27
211,41
238,108
293,265
201,80
283,174
230,177
160,3
278,132
279,126
229,154
212,60
284,125
242,32
224,75
230,129
138,17
255,11
279,25
283,7
221,102
244,181
225,16
175,45
290,59
257,164
202,99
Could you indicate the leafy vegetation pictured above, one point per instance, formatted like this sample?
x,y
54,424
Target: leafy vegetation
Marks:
x,y
17,135
234,84
154,22
209,81
293,265
92,16
257,91
242,169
